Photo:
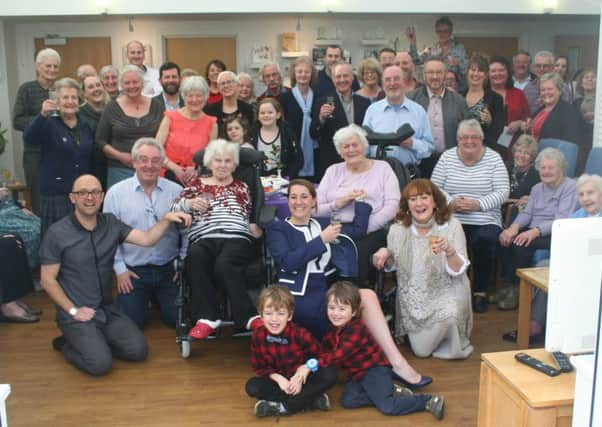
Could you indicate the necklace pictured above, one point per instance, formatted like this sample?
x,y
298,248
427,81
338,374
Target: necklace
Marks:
x,y
426,225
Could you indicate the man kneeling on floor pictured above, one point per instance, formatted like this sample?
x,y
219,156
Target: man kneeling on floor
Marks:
x,y
77,256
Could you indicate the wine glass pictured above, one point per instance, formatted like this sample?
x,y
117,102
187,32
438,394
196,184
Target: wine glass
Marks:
x,y
330,101
335,219
53,95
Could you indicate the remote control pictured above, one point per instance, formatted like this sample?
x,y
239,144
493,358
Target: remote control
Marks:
x,y
562,361
536,364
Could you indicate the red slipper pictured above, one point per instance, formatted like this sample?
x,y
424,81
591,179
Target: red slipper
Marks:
x,y
201,331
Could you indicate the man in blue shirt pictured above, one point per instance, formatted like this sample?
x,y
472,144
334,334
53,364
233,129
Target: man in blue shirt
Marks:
x,y
139,202
388,114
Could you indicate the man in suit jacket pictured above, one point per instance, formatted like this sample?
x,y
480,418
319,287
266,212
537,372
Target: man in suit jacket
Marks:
x,y
169,77
325,84
445,110
330,113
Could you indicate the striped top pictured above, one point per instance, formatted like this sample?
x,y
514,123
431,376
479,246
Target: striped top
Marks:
x,y
227,216
486,181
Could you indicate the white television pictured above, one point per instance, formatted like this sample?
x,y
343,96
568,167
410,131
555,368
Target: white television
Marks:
x,y
574,285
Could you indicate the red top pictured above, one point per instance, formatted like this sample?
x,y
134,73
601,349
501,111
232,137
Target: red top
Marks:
x,y
517,107
538,122
186,137
214,97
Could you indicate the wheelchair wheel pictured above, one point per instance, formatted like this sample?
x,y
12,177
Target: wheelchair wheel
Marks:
x,y
185,349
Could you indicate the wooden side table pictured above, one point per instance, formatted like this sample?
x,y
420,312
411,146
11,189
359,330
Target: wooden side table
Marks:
x,y
513,394
529,278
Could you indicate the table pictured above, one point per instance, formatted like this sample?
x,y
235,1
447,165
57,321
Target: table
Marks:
x,y
4,392
529,278
280,202
513,394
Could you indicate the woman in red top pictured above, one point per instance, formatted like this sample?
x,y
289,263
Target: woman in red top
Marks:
x,y
186,130
214,67
515,102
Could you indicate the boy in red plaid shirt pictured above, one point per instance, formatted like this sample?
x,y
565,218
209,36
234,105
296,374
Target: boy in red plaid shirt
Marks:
x,y
280,351
349,344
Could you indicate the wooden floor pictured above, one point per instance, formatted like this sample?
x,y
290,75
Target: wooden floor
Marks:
x,y
207,388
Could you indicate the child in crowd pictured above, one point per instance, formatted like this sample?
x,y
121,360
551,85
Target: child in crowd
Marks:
x,y
237,130
282,356
349,344
276,140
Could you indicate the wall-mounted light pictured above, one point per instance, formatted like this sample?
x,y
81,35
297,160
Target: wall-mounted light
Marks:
x,y
130,24
103,6
550,6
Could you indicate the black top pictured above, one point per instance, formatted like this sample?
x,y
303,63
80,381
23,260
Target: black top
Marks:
x,y
216,110
521,182
495,104
291,155
564,122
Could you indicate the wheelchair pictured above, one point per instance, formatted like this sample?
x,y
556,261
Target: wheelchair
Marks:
x,y
259,272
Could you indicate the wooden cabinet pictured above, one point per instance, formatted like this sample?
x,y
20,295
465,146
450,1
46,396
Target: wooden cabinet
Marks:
x,y
514,395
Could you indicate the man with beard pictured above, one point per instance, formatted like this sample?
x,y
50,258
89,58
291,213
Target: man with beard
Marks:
x,y
169,77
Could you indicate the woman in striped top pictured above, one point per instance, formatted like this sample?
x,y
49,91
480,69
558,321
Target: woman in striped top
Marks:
x,y
475,182
220,240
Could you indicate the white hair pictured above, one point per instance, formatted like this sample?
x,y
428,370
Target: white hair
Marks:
x,y
194,84
552,154
344,134
593,180
470,124
44,54
225,74
221,147
151,142
108,69
130,69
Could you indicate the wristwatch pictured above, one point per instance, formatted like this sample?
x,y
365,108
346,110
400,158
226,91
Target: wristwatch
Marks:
x,y
73,311
312,364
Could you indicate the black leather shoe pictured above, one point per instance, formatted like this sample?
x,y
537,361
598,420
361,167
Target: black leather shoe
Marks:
x,y
479,304
424,381
58,343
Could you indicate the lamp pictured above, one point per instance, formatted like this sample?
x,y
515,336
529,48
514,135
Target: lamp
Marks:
x,y
549,6
103,5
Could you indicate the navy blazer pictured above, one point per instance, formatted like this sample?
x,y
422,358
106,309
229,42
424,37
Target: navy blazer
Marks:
x,y
564,122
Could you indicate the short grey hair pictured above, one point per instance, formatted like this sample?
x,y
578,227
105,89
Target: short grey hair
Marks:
x,y
521,52
269,64
469,124
343,64
552,154
130,69
247,76
146,141
227,73
221,147
108,69
44,54
544,54
345,133
194,84
67,83
554,78
593,180
528,142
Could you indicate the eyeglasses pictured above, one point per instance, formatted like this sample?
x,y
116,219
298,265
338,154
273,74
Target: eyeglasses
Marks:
x,y
470,138
155,161
226,83
434,72
85,193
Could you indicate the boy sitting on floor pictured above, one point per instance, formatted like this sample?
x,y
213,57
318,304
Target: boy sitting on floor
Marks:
x,y
348,343
280,351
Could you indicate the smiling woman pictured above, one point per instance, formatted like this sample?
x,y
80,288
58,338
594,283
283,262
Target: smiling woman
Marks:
x,y
67,146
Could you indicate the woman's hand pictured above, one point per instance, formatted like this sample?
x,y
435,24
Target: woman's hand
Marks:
x,y
125,159
255,230
48,107
526,237
485,116
443,245
330,233
522,202
380,257
189,173
525,126
350,197
514,126
411,35
465,204
507,236
199,204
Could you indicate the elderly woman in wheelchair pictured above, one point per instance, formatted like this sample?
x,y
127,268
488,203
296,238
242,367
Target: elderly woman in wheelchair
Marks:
x,y
221,239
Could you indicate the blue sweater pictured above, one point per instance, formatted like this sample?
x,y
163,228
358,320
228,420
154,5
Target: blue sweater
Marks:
x,y
65,153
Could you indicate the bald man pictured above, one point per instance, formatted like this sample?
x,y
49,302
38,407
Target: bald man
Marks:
x,y
77,256
136,55
404,61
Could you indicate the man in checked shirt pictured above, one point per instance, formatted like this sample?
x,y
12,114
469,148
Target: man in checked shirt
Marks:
x,y
282,355
350,345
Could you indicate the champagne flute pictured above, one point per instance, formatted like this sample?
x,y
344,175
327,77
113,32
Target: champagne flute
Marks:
x,y
433,240
335,219
330,101
53,95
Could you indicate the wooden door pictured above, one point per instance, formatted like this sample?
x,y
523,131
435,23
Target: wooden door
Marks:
x,y
492,46
80,50
196,52
582,51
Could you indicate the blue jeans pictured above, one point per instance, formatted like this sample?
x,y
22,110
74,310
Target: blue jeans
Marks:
x,y
482,241
116,174
153,280
376,389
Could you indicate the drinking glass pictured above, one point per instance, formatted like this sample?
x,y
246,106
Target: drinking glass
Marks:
x,y
54,96
335,219
330,101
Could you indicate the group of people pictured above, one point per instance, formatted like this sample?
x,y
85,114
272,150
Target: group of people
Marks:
x,y
136,133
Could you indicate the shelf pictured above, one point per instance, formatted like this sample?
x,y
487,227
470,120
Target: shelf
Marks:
x,y
294,54
326,42
374,42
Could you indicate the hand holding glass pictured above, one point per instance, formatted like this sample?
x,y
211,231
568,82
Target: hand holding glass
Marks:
x,y
54,96
335,219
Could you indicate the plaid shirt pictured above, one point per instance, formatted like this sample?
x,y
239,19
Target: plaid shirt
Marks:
x,y
353,348
284,353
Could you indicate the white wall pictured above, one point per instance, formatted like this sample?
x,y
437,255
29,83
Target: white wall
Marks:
x,y
535,32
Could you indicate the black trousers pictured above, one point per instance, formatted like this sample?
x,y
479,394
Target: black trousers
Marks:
x,y
365,249
15,276
482,241
218,265
316,384
521,257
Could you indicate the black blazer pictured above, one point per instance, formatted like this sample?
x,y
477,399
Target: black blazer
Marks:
x,y
495,105
244,110
291,155
564,122
325,85
323,132
292,112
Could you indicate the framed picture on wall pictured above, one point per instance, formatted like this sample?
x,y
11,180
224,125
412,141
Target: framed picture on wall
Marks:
x,y
317,55
261,54
148,55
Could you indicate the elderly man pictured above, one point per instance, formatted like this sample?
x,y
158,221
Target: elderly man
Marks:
x,y
404,61
543,63
521,75
446,48
169,77
325,85
395,110
136,56
83,71
272,79
77,254
445,109
386,57
138,202
332,112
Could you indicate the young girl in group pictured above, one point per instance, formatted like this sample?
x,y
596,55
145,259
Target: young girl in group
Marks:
x,y
276,140
237,130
